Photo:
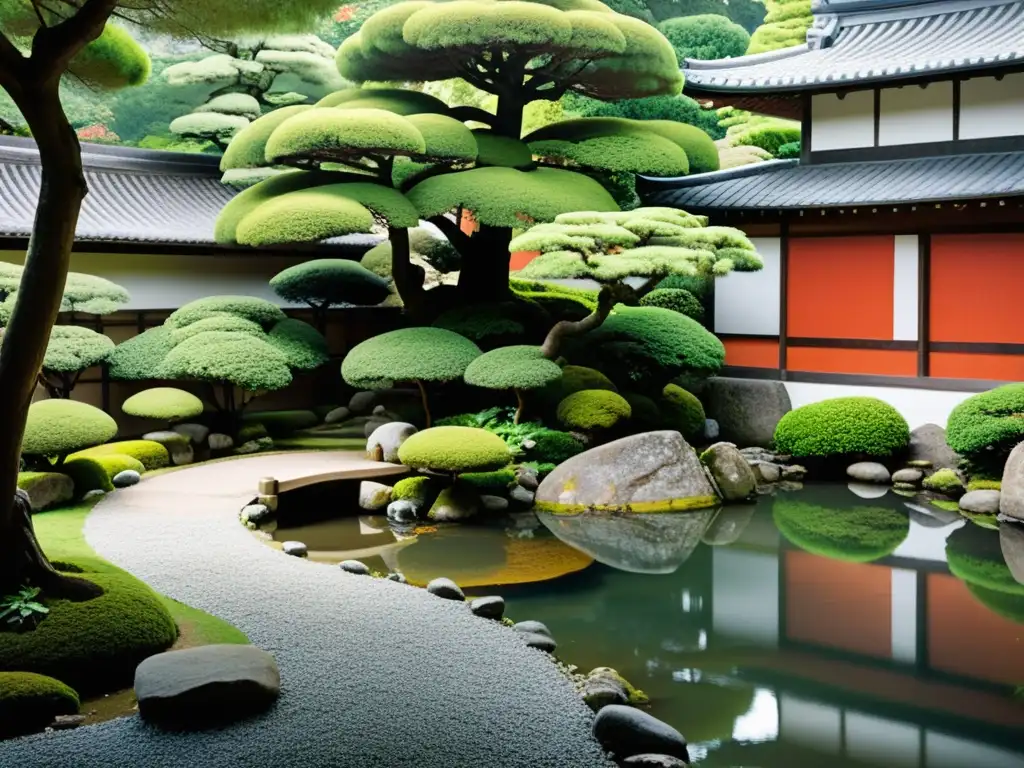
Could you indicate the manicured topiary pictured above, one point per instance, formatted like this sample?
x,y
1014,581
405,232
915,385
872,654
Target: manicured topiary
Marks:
x,y
856,534
151,454
324,283
676,299
771,138
241,360
705,36
251,308
788,151
282,423
975,556
56,428
29,702
841,426
516,368
645,414
253,430
138,358
71,350
554,447
419,355
88,475
163,403
593,409
681,411
95,645
483,323
575,378
455,449
985,427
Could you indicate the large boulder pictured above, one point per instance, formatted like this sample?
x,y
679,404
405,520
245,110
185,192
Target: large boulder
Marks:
x,y
1011,542
747,410
178,445
1011,498
735,478
928,443
626,732
649,472
45,489
212,684
384,442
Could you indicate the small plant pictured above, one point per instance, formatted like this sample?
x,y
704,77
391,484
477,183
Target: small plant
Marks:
x,y
22,610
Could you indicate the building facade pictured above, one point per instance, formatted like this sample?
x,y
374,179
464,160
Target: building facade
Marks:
x,y
894,247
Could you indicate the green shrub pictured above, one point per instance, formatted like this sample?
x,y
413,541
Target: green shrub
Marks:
x,y
455,449
979,484
87,475
542,468
554,447
698,285
645,414
495,482
251,308
253,430
164,404
575,378
593,409
95,645
770,137
974,555
842,426
152,454
282,423
682,412
705,36
984,428
789,151
856,534
517,367
944,481
484,323
677,299
58,427
407,355
29,702
420,489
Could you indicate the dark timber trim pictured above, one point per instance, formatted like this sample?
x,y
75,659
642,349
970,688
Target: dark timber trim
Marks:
x,y
882,344
806,127
956,109
927,149
924,294
876,117
863,380
783,295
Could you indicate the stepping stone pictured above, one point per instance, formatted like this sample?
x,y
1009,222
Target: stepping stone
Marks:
x,y
532,627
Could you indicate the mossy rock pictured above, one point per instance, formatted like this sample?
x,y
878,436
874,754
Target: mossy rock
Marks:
x,y
681,411
46,489
974,555
421,489
29,702
843,426
496,482
945,481
593,410
94,645
455,449
855,534
150,453
554,447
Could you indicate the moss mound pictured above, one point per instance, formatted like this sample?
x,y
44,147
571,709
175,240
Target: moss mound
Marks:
x,y
681,411
29,702
94,645
987,426
645,414
554,447
89,474
163,403
858,534
455,449
944,481
497,481
593,409
419,489
408,354
151,454
842,426
58,427
974,555
677,299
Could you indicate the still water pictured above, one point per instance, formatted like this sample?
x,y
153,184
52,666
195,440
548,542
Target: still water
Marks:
x,y
814,629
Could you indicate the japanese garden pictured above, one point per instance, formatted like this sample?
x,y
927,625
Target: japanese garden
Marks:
x,y
461,383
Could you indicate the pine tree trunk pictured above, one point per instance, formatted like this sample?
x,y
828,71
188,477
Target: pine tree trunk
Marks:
x,y
61,193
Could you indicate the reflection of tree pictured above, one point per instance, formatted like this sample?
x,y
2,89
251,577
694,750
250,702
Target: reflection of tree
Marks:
x,y
1006,604
857,533
974,555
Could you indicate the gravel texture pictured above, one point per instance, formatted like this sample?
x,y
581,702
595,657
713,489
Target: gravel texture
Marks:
x,y
375,674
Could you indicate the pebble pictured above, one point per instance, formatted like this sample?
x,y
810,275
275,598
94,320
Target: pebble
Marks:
x,y
492,607
541,642
294,548
521,495
397,577
654,761
910,475
445,588
356,567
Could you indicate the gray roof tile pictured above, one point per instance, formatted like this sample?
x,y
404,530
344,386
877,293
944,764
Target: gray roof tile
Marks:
x,y
787,184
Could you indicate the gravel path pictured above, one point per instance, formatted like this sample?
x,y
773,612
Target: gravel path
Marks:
x,y
375,674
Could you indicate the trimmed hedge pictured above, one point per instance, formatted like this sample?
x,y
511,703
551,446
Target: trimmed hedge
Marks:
x,y
151,454
455,449
88,475
843,426
516,367
554,447
29,702
58,427
677,299
985,428
858,534
282,423
593,409
408,354
163,403
681,411
94,645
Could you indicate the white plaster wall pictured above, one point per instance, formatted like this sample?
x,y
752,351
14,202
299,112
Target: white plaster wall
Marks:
x,y
167,282
915,115
905,293
748,302
952,752
846,123
991,108
746,595
810,724
903,585
877,741
918,406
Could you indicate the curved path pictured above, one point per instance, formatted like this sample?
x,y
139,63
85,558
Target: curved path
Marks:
x,y
375,674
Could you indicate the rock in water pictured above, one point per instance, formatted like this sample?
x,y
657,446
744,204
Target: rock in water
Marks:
x,y
532,627
747,410
384,442
1011,500
626,732
455,503
544,643
1011,541
492,607
601,692
728,525
373,496
213,684
980,502
445,588
734,476
294,548
653,471
403,511
868,472
928,443
910,475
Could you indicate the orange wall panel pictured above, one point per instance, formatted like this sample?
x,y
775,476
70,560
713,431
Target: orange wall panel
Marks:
x,y
975,288
467,222
881,362
840,287
968,365
752,353
521,258
847,606
966,638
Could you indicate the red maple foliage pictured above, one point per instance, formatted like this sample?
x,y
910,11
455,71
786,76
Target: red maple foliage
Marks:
x,y
97,132
345,13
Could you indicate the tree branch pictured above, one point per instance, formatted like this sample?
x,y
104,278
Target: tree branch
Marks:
x,y
54,47
11,64
467,113
609,296
459,239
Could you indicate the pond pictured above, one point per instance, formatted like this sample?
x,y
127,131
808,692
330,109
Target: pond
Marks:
x,y
814,628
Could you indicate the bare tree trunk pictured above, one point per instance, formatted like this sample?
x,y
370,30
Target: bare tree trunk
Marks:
x,y
609,296
426,405
38,301
407,276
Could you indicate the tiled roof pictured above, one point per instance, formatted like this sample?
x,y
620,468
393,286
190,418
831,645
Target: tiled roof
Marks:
x,y
869,42
785,184
140,196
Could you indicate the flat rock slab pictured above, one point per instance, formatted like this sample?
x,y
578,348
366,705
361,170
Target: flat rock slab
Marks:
x,y
209,685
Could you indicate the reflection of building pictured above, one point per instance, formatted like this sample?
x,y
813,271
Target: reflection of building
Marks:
x,y
894,245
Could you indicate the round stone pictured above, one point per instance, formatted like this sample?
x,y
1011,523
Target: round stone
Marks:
x,y
868,472
627,732
980,502
397,577
541,642
294,548
492,607
126,478
532,627
445,588
355,566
